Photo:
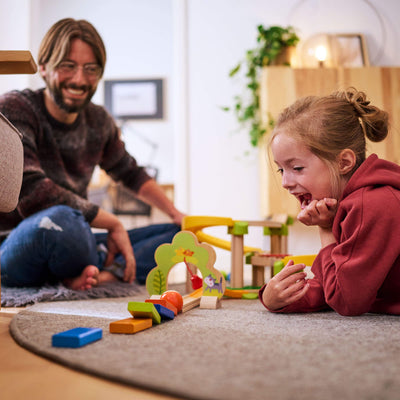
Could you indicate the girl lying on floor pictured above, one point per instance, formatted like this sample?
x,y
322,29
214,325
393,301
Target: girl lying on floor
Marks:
x,y
319,146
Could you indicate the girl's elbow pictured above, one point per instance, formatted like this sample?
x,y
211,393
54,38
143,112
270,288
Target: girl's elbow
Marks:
x,y
349,308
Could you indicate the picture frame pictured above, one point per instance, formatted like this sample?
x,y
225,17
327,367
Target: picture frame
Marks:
x,y
134,98
349,50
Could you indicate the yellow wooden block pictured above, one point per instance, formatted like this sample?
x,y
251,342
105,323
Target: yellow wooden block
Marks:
x,y
130,325
306,259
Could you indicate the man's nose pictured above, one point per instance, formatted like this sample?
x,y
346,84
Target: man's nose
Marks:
x,y
79,75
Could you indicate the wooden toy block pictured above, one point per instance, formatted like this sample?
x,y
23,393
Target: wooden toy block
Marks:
x,y
165,313
76,337
190,303
210,302
130,325
164,303
242,292
144,310
263,260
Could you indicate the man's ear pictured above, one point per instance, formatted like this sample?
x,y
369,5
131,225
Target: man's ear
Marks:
x,y
42,71
346,161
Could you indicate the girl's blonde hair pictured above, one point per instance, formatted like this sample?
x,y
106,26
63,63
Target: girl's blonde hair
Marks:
x,y
56,43
329,124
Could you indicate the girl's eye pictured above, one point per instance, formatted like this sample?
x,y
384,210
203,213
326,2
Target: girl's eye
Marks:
x,y
279,171
298,168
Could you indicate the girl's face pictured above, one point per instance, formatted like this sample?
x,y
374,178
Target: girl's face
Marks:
x,y
304,175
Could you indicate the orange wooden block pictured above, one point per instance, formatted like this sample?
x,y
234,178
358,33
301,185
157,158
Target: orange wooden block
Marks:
x,y
130,325
164,303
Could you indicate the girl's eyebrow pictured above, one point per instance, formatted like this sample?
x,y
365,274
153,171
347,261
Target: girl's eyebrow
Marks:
x,y
290,160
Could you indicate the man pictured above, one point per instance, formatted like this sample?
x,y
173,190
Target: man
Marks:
x,y
65,136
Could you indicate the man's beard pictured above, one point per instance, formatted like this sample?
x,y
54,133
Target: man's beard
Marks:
x,y
56,93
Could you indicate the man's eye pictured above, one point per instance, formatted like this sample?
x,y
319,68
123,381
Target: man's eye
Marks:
x,y
92,69
67,66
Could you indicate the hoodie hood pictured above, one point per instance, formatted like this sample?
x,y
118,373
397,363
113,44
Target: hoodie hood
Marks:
x,y
374,172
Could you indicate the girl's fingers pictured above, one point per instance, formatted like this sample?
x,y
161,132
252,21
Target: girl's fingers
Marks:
x,y
290,269
297,295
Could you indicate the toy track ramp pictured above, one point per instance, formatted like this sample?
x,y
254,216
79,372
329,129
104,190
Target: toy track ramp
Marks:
x,y
196,224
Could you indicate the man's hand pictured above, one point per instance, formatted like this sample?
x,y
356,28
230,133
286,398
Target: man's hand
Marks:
x,y
118,242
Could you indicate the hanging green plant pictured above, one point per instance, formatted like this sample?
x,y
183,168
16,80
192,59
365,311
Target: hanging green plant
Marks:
x,y
272,49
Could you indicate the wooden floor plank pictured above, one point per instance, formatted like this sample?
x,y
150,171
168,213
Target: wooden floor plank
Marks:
x,y
24,375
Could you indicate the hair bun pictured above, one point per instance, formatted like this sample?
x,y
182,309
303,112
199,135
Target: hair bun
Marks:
x,y
374,121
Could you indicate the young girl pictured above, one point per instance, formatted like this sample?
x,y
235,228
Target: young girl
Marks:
x,y
319,146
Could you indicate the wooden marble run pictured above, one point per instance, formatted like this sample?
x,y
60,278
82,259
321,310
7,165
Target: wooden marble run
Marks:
x,y
185,248
259,259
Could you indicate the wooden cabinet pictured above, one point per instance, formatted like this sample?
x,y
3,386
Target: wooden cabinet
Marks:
x,y
281,86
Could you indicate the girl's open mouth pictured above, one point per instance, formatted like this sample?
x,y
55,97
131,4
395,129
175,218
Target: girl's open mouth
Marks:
x,y
305,199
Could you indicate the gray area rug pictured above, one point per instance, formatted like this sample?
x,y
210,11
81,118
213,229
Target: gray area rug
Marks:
x,y
18,297
240,351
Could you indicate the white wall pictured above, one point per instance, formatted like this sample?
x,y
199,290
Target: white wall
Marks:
x,y
193,44
222,180
138,39
14,35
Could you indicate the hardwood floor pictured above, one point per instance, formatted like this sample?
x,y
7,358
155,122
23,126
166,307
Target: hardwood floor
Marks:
x,y
24,375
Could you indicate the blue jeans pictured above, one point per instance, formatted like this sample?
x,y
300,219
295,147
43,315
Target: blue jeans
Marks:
x,y
57,243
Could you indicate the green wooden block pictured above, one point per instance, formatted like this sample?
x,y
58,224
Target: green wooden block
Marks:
x,y
140,309
250,296
283,231
239,228
278,266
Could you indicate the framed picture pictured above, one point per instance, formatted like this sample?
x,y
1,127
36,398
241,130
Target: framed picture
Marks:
x,y
349,50
134,98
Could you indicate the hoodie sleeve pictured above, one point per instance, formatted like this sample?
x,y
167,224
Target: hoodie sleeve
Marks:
x,y
350,275
352,271
312,301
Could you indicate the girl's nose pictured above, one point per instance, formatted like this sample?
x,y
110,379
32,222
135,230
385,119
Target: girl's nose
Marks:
x,y
287,181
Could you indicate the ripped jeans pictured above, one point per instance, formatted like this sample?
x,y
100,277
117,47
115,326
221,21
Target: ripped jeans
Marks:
x,y
57,243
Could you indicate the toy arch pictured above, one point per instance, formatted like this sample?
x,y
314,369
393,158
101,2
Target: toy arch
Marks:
x,y
185,248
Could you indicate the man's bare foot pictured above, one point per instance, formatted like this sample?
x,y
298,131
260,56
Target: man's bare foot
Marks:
x,y
106,276
86,280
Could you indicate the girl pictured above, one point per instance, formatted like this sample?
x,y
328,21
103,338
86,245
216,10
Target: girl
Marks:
x,y
319,146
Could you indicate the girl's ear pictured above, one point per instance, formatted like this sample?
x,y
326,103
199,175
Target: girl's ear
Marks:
x,y
346,161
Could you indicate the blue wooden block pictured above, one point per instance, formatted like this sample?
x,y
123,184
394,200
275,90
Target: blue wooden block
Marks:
x,y
76,337
165,313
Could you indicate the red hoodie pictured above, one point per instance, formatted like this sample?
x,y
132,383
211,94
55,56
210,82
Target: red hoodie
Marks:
x,y
360,272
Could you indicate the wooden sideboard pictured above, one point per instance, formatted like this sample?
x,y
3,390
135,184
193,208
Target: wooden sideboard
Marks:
x,y
281,86
17,62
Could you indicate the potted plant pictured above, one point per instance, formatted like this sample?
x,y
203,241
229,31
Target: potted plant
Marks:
x,y
275,45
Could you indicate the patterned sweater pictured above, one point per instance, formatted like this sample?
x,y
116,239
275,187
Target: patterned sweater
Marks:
x,y
59,158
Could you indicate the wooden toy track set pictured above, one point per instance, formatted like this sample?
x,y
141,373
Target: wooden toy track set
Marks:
x,y
193,247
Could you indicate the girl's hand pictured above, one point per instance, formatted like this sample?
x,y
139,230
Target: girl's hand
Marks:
x,y
286,287
319,212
